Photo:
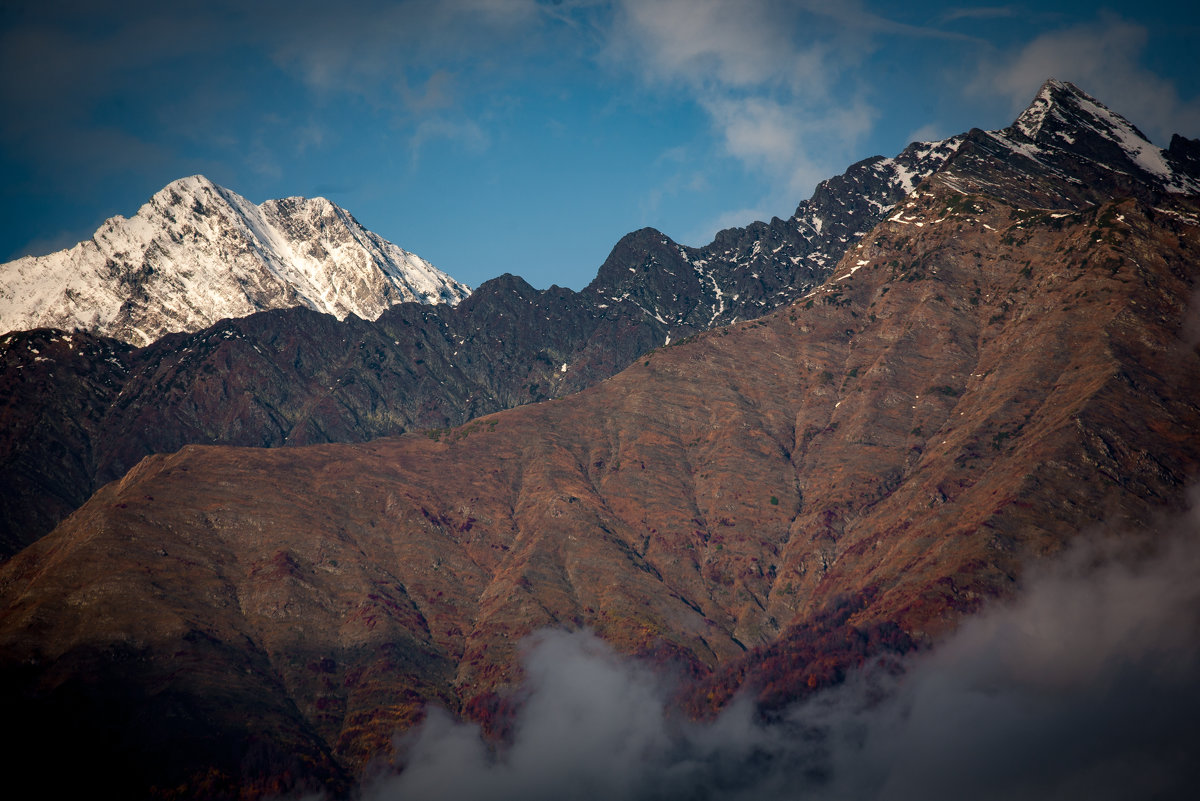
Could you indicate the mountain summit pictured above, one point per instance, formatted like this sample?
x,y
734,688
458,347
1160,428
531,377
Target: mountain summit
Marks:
x,y
1076,152
1064,119
197,253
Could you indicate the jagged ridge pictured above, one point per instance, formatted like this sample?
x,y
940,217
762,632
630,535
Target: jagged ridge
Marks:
x,y
292,377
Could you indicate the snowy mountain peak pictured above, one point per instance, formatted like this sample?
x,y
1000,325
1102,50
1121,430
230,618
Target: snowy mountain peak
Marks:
x,y
1060,108
188,184
1064,118
196,253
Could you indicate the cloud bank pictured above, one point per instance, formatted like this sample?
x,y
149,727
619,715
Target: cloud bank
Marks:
x,y
1086,686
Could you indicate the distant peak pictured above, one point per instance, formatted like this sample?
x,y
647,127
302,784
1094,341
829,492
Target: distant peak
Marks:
x,y
1061,108
1054,86
188,189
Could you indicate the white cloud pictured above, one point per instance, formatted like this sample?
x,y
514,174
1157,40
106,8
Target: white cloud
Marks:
x,y
365,46
776,79
929,132
420,63
733,218
1103,59
794,146
310,135
715,42
465,132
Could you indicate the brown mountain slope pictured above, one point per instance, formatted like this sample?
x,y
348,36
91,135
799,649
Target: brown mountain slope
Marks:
x,y
977,384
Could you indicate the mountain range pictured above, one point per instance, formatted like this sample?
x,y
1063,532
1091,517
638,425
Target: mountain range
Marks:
x,y
943,368
295,377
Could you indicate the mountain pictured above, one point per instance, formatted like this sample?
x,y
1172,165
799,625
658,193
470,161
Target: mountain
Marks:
x,y
294,377
762,507
197,253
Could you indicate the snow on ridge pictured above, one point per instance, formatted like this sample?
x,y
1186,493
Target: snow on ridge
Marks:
x,y
1078,111
1032,119
1148,156
196,253
916,163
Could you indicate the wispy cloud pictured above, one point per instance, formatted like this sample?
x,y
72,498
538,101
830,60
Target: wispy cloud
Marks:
x,y
173,68
363,47
978,12
757,80
718,43
466,132
783,84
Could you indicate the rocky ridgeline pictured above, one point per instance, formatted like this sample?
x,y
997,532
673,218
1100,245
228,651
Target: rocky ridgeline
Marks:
x,y
292,376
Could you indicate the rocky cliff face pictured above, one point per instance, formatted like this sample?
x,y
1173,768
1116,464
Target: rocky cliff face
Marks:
x,y
978,381
197,253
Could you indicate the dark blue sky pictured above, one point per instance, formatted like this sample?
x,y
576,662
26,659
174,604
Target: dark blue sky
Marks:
x,y
527,136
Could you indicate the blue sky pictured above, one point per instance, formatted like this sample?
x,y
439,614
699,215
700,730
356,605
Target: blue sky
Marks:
x,y
528,136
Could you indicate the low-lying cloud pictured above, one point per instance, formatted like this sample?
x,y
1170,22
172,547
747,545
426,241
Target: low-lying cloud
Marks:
x,y
1086,686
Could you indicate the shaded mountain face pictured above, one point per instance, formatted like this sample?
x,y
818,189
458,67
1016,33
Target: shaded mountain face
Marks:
x,y
297,377
56,390
761,507
197,253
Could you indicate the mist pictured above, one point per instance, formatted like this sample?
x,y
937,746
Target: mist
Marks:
x,y
1086,685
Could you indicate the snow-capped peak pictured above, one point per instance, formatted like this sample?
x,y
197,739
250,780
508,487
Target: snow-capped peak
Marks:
x,y
1062,117
1032,118
196,253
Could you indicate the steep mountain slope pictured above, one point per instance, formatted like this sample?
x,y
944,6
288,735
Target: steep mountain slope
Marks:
x,y
979,381
292,378
197,253
56,390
